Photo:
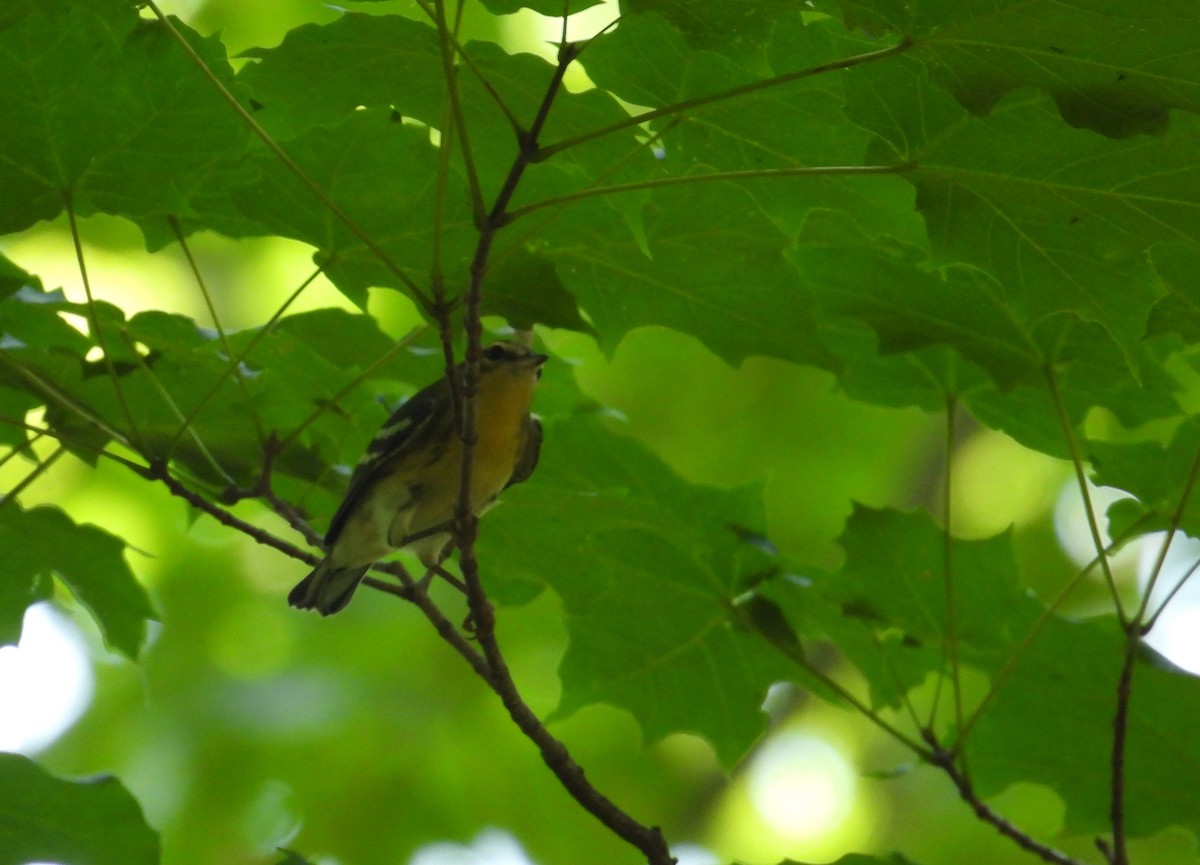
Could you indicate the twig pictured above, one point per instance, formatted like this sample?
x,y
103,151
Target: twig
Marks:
x,y
1046,615
1081,478
688,104
198,275
235,362
944,760
97,331
1118,854
1176,520
951,644
447,40
688,180
37,472
74,444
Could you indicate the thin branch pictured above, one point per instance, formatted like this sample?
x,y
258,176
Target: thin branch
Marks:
x,y
291,164
951,644
447,39
452,40
688,180
536,228
1160,560
327,405
794,652
66,400
1118,854
944,760
75,444
40,469
173,407
1153,620
1081,479
688,104
97,331
1046,615
444,627
17,450
235,362
216,319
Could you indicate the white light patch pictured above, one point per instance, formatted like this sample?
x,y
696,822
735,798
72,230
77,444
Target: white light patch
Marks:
x,y
490,847
1176,633
1071,522
802,786
45,681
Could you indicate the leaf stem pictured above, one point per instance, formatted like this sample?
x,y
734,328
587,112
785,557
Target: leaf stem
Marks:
x,y
951,645
37,471
198,275
326,405
700,101
66,400
97,331
236,361
944,760
446,40
748,174
1046,615
1160,560
1082,481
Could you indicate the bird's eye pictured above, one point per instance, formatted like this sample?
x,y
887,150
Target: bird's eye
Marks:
x,y
495,352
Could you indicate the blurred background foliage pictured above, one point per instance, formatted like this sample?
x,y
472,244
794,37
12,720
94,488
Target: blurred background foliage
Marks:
x,y
364,739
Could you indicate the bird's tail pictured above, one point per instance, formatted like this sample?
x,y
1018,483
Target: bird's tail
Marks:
x,y
327,589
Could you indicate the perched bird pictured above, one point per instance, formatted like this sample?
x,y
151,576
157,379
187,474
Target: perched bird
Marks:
x,y
404,491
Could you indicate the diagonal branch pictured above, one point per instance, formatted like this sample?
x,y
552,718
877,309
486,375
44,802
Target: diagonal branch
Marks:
x,y
1082,481
944,760
97,331
700,101
688,180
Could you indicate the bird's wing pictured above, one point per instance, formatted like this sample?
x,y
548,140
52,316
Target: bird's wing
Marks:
x,y
408,429
528,459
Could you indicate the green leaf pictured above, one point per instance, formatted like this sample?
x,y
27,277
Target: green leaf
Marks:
x,y
544,7
742,300
1061,217
1074,668
886,608
1158,476
321,74
525,289
88,822
650,616
729,24
910,306
113,96
1113,67
383,173
1116,68
43,542
290,857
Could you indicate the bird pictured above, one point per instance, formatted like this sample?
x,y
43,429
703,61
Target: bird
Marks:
x,y
404,491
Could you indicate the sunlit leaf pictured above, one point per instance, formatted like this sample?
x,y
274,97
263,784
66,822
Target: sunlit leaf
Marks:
x,y
46,818
46,542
